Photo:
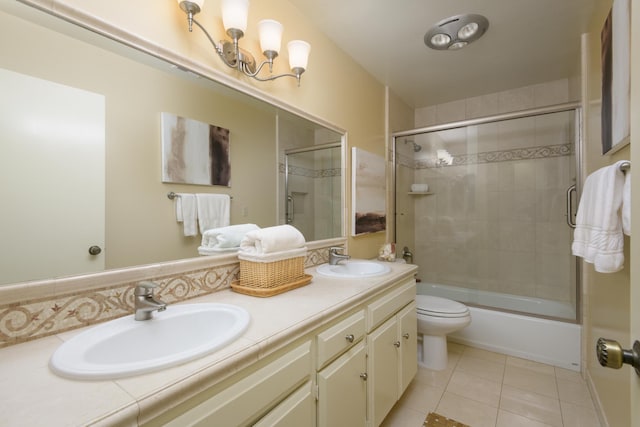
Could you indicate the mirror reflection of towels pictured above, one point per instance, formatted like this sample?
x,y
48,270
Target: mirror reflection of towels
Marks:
x,y
213,210
186,213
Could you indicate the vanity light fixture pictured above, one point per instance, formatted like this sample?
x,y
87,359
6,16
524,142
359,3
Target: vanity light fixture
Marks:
x,y
456,32
234,19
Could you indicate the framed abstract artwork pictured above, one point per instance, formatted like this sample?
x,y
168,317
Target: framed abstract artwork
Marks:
x,y
194,152
368,192
615,53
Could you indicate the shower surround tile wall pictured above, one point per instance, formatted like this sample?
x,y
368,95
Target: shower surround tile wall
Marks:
x,y
496,219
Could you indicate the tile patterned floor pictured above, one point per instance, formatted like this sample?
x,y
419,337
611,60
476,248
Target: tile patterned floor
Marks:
x,y
486,389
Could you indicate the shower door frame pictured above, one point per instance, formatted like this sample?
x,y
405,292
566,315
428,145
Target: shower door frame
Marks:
x,y
558,108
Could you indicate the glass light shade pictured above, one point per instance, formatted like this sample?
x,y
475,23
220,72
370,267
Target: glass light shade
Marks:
x,y
440,39
234,14
468,31
270,35
298,54
457,45
198,2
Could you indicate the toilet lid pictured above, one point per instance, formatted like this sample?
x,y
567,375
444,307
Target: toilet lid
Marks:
x,y
441,307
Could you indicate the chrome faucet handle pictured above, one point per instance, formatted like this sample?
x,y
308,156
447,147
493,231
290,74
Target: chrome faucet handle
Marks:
x,y
144,289
336,249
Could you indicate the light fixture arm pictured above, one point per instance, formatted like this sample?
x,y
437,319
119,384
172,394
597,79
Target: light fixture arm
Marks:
x,y
232,55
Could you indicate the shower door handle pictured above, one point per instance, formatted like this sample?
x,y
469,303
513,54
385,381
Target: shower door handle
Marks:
x,y
569,213
290,208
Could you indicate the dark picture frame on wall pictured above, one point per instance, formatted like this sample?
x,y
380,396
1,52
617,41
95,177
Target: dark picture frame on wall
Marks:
x,y
615,53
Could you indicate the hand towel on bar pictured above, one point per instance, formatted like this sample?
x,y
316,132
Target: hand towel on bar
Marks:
x,y
626,203
598,234
223,239
213,210
187,213
272,239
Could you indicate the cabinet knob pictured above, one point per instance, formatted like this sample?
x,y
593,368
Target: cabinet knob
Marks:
x,y
95,250
397,344
363,376
405,335
349,338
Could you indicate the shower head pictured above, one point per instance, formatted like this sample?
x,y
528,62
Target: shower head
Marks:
x,y
416,147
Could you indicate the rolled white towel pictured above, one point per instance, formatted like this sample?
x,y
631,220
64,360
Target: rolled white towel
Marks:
x,y
273,256
226,237
272,239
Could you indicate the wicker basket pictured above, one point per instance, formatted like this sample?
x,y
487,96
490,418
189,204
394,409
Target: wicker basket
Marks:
x,y
260,278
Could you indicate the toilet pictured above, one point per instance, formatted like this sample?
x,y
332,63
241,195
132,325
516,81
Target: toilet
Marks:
x,y
438,317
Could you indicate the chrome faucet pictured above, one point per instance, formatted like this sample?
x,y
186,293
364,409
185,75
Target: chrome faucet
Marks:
x,y
335,257
145,303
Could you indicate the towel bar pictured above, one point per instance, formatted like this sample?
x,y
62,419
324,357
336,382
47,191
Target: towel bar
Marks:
x,y
625,166
171,195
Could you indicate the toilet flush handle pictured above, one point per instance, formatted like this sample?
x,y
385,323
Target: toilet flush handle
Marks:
x,y
611,354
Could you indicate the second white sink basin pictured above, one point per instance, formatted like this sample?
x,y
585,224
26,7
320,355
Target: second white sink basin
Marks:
x,y
126,347
353,269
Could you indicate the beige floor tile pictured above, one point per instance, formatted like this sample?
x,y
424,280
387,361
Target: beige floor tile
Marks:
x,y
474,387
467,411
485,355
454,347
540,368
578,416
507,419
421,397
531,405
526,379
567,374
493,371
574,392
438,379
402,416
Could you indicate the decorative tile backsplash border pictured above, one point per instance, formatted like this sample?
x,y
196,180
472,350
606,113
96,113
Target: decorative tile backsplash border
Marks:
x,y
527,153
40,317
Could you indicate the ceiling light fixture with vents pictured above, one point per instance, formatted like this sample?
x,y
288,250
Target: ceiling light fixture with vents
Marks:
x,y
456,32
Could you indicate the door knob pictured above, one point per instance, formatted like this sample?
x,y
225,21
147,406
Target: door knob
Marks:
x,y
611,354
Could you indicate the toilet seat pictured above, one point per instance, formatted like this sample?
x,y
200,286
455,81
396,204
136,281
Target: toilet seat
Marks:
x,y
428,305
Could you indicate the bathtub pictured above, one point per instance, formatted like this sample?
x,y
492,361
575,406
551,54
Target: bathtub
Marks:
x,y
547,341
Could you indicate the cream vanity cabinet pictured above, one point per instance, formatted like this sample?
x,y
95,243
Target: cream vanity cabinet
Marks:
x,y
347,373
392,350
278,393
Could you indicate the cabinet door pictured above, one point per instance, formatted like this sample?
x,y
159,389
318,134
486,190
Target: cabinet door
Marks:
x,y
298,410
342,393
408,337
382,362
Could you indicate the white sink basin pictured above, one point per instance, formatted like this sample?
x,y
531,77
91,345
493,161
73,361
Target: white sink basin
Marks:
x,y
126,347
353,269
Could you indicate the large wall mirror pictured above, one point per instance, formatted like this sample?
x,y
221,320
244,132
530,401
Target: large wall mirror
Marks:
x,y
93,177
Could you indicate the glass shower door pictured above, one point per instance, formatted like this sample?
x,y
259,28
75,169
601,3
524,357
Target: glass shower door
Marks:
x,y
494,226
313,191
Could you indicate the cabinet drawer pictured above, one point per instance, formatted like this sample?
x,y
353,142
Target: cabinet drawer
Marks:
x,y
383,308
297,410
338,338
248,398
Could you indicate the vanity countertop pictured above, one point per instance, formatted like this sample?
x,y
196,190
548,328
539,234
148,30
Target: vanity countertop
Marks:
x,y
32,395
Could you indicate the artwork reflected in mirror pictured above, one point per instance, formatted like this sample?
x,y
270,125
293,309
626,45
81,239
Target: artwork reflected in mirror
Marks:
x,y
194,152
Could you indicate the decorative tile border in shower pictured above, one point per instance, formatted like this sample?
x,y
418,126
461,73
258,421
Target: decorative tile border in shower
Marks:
x,y
311,173
528,153
35,318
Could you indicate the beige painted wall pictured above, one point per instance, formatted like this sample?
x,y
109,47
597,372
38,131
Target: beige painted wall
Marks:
x,y
334,88
606,296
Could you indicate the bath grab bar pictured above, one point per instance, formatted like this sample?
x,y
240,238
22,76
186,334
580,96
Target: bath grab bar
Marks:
x,y
171,195
570,222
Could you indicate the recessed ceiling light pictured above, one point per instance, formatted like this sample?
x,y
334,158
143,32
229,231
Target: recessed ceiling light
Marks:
x,y
456,32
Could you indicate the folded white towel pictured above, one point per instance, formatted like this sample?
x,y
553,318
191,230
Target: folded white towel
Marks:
x,y
598,235
272,239
213,211
186,213
203,250
226,237
273,256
